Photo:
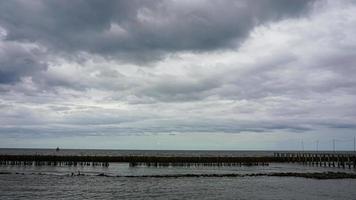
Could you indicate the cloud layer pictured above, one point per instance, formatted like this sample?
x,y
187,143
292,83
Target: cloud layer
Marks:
x,y
94,68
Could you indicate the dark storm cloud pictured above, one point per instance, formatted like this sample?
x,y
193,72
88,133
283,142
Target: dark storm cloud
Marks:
x,y
19,60
138,29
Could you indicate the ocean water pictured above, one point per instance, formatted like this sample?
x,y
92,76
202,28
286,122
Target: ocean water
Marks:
x,y
57,182
98,152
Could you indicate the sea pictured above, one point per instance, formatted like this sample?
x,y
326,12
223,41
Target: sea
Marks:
x,y
122,181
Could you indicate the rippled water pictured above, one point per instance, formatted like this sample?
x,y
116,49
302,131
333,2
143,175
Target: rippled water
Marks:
x,y
56,182
87,187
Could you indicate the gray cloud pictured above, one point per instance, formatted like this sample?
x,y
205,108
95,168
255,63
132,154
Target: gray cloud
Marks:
x,y
212,67
139,30
19,60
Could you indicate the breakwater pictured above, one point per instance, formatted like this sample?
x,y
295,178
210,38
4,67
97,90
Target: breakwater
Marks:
x,y
315,159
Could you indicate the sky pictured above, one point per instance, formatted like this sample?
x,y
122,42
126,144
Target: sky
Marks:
x,y
178,74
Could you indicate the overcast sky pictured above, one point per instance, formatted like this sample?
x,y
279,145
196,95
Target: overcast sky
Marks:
x,y
177,74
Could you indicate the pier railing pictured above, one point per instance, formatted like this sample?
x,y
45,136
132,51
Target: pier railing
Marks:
x,y
341,160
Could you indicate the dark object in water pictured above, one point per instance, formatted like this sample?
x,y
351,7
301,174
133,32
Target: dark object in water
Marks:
x,y
310,175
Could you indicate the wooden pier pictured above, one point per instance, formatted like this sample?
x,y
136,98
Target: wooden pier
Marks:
x,y
341,160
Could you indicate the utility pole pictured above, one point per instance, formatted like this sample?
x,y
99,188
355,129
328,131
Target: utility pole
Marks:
x,y
317,145
333,145
302,145
354,143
